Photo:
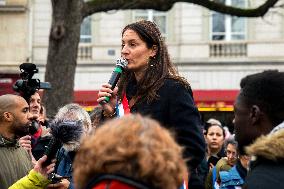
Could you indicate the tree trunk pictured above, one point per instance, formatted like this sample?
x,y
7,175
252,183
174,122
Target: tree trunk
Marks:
x,y
62,53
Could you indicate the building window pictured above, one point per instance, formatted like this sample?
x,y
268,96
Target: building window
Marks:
x,y
2,2
86,31
85,46
158,17
226,27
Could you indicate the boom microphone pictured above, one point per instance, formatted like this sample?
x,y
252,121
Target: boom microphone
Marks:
x,y
121,63
62,133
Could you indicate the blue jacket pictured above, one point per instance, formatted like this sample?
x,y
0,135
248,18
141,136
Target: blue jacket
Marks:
x,y
230,179
64,160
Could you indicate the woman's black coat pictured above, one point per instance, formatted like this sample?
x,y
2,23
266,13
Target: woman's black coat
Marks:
x,y
176,111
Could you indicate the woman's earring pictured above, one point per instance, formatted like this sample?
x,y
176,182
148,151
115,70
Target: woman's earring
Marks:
x,y
151,61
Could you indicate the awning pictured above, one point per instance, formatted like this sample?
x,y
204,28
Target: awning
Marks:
x,y
88,99
206,100
215,100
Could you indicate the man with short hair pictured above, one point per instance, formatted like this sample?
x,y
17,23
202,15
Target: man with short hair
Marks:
x,y
259,110
15,120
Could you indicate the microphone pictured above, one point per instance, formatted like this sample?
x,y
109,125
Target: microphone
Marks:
x,y
121,64
28,66
62,132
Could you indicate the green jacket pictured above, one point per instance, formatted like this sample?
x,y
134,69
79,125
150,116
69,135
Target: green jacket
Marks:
x,y
15,162
33,180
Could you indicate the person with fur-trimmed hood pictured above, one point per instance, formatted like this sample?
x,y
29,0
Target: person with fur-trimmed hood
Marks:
x,y
259,123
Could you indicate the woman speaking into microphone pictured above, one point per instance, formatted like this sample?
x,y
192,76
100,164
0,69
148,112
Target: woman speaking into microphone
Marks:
x,y
151,85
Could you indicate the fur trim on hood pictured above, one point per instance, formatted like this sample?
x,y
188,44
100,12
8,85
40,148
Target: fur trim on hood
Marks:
x,y
270,147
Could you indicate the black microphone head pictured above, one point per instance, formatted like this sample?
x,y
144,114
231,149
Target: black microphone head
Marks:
x,y
121,62
67,131
28,66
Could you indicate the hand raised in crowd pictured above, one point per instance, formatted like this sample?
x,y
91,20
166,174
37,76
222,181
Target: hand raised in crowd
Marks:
x,y
44,170
105,91
25,142
32,180
211,165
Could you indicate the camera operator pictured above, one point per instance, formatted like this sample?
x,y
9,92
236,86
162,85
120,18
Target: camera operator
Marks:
x,y
35,142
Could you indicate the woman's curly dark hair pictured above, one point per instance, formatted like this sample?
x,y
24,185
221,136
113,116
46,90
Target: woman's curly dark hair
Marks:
x,y
159,68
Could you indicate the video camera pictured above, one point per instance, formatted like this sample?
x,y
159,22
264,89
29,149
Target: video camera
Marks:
x,y
27,86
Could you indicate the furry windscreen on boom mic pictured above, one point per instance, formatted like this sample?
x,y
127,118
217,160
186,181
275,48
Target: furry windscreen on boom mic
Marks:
x,y
62,133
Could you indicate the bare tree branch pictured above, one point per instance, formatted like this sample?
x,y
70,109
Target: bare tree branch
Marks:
x,y
95,6
234,11
279,6
277,12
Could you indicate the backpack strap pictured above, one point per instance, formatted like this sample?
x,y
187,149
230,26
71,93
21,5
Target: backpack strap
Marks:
x,y
214,176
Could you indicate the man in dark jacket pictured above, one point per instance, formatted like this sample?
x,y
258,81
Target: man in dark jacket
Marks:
x,y
259,110
15,120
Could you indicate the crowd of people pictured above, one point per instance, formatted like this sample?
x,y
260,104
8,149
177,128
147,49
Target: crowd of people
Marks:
x,y
161,143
